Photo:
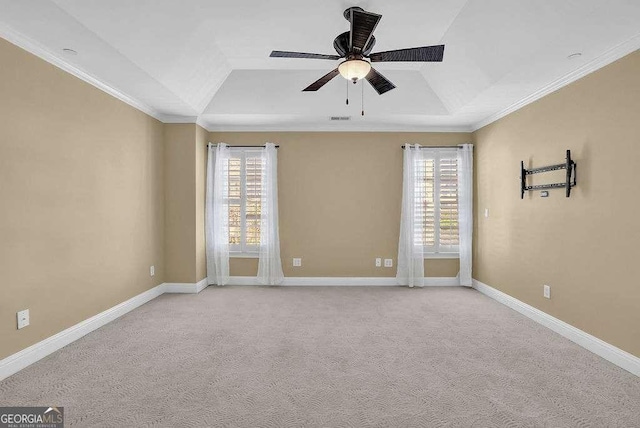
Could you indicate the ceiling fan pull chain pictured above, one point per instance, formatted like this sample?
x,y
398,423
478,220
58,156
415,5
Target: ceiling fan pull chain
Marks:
x,y
347,92
362,84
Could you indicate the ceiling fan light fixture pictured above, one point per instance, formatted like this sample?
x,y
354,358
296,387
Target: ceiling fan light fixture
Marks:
x,y
354,69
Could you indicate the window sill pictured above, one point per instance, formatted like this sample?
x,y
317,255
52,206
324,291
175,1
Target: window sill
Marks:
x,y
236,255
441,255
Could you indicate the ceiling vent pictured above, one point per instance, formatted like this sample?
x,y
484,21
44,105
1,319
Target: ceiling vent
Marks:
x,y
340,117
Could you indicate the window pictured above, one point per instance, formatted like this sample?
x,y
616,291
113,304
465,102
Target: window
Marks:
x,y
245,193
436,203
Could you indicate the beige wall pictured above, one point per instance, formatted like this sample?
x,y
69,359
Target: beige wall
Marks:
x,y
339,200
180,206
584,247
185,164
202,139
81,193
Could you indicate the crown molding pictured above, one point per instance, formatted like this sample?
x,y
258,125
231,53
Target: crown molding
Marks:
x,y
321,127
614,54
41,52
168,118
203,124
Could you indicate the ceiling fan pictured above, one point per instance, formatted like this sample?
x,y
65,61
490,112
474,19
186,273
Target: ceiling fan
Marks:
x,y
355,47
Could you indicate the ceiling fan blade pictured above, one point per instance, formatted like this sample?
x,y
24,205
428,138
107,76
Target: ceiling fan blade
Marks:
x,y
424,54
362,26
285,54
379,82
321,81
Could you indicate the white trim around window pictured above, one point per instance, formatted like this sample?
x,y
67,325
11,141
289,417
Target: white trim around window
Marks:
x,y
441,256
241,255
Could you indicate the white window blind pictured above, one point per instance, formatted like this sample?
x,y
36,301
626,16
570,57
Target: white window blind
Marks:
x,y
245,193
436,202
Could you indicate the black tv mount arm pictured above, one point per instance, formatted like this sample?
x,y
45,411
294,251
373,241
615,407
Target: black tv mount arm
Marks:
x,y
570,181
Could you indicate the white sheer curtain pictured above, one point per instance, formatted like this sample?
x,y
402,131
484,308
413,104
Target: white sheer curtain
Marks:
x,y
410,247
465,211
217,214
269,265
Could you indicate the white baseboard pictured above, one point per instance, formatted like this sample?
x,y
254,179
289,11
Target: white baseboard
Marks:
x,y
202,284
16,362
344,281
615,355
339,281
185,287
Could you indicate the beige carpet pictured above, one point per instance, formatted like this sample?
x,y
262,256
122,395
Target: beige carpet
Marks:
x,y
330,357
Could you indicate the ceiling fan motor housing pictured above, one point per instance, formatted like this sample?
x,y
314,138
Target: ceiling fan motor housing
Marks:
x,y
341,45
347,12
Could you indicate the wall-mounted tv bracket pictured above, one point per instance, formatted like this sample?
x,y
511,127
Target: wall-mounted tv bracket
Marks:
x,y
570,181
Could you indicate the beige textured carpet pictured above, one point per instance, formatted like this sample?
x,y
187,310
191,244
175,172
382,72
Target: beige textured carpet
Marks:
x,y
331,357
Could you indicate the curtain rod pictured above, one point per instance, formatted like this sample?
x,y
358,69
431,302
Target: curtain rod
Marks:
x,y
437,147
209,145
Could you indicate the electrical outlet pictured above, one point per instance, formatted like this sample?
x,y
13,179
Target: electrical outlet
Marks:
x,y
297,262
388,262
378,262
152,270
547,292
486,212
23,318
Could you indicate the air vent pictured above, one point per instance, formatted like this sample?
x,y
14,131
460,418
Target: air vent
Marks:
x,y
340,117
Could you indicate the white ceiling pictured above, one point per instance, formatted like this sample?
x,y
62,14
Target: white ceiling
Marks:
x,y
208,60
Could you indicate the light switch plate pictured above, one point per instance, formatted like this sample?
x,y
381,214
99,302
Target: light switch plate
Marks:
x,y
297,262
388,262
152,270
23,318
486,212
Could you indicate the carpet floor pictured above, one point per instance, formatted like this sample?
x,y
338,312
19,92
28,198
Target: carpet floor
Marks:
x,y
328,357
